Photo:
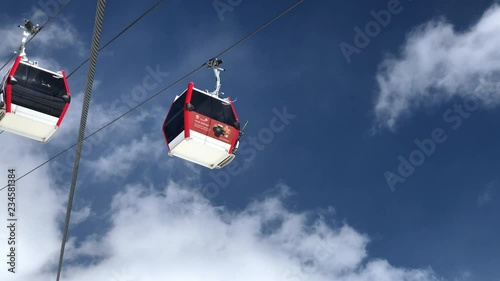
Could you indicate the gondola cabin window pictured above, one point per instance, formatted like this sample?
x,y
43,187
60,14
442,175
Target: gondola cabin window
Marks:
x,y
213,108
39,90
175,119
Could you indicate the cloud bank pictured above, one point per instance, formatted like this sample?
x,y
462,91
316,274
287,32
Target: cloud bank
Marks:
x,y
438,63
177,234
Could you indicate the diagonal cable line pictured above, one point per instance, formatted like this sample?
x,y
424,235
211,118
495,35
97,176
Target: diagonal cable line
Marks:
x,y
119,34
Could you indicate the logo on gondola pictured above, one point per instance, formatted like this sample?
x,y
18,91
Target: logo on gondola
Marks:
x,y
227,131
200,118
220,131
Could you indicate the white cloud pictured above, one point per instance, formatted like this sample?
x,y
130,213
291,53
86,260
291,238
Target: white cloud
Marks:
x,y
101,114
438,63
11,41
484,197
177,234
78,216
486,194
464,275
122,159
58,34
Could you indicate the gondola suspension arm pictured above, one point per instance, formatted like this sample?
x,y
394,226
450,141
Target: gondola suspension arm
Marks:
x,y
214,64
29,29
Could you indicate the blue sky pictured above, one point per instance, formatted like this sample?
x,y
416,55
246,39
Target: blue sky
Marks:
x,y
318,182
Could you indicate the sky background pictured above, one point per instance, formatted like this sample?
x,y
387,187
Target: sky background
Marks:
x,y
312,201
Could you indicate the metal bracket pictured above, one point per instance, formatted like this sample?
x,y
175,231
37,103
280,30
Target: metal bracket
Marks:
x,y
214,64
28,29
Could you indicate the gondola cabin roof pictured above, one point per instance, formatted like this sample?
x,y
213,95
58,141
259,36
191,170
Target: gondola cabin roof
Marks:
x,y
202,128
33,101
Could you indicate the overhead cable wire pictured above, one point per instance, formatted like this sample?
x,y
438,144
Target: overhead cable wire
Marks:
x,y
161,91
260,28
119,34
99,19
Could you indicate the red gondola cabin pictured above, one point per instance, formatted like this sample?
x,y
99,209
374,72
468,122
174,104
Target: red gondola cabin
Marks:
x,y
33,100
202,128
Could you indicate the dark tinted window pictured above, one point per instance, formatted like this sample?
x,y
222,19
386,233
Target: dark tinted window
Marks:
x,y
213,108
38,90
174,124
40,81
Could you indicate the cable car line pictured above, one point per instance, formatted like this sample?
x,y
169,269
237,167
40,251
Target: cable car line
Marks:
x,y
39,29
155,95
260,28
99,19
119,34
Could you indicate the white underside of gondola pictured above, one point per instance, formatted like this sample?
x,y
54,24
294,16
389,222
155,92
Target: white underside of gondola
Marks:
x,y
202,150
28,123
